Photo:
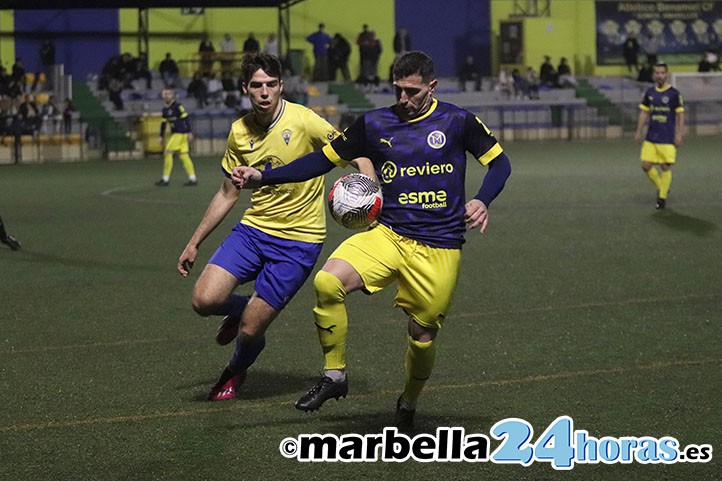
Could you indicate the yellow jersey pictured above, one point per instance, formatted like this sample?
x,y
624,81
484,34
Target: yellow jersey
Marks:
x,y
289,211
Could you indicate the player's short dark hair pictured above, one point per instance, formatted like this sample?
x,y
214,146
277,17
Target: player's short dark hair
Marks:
x,y
661,64
260,61
415,62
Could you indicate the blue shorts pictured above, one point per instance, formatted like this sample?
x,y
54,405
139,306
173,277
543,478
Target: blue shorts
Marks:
x,y
279,266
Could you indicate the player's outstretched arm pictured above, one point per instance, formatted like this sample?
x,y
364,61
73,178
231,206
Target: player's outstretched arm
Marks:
x,y
220,205
302,169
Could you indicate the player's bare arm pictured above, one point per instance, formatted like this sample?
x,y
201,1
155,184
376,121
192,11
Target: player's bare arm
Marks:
x,y
364,166
641,123
220,205
679,130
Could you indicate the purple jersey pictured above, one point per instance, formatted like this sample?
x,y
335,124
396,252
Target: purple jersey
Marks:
x,y
421,165
663,106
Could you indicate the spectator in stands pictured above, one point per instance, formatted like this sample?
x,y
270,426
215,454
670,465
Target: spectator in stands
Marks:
x,y
68,111
169,72
646,73
320,41
709,62
271,45
338,53
469,72
505,83
521,88
215,90
251,45
51,116
566,78
127,70
112,68
28,118
8,110
547,73
19,74
4,81
115,89
532,82
140,69
198,89
228,49
47,61
630,50
206,50
402,41
651,47
370,50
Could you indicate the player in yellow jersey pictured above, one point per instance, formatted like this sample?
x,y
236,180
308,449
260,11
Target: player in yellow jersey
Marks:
x,y
267,246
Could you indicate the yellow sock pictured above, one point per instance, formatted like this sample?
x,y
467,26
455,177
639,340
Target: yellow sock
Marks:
x,y
653,175
331,319
420,358
188,165
167,165
665,180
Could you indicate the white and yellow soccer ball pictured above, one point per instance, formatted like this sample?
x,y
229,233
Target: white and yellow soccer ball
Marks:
x,y
355,201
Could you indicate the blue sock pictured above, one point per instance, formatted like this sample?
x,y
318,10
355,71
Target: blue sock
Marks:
x,y
245,355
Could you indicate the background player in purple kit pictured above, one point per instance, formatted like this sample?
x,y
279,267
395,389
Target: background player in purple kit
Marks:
x,y
662,112
418,149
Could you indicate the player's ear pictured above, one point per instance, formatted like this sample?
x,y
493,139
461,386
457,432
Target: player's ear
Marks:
x,y
432,85
244,86
280,82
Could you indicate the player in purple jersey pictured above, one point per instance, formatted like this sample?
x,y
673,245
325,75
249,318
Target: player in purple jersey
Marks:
x,y
662,112
418,148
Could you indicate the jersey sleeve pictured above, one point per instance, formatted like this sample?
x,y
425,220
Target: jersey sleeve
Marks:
x,y
680,103
349,145
645,104
319,130
479,141
230,158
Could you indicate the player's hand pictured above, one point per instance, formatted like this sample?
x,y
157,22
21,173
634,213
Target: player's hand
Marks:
x,y
186,260
244,177
190,137
476,215
678,140
638,137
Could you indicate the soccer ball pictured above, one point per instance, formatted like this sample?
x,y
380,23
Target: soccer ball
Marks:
x,y
355,200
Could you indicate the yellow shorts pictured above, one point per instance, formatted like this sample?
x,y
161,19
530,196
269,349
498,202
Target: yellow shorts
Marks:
x,y
658,153
427,275
177,143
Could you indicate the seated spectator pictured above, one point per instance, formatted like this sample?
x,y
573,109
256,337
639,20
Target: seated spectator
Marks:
x,y
28,117
566,79
215,90
505,83
521,87
532,81
198,89
169,72
469,72
51,117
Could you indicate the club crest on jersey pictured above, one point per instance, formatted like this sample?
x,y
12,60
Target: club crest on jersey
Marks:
x,y
286,134
436,139
665,100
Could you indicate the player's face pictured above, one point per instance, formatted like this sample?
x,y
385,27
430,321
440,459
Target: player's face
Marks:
x,y
413,96
264,92
167,96
660,76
